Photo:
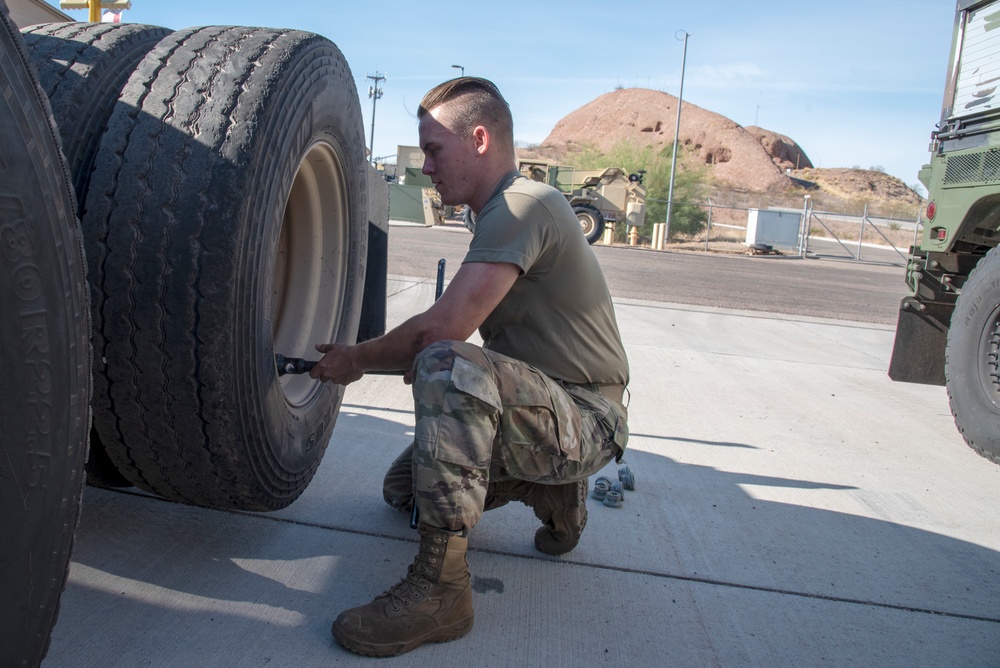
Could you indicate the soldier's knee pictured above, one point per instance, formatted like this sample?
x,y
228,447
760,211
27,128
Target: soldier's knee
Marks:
x,y
439,357
453,366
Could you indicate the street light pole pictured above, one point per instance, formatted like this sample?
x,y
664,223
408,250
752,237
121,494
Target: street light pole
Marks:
x,y
459,67
374,92
804,228
677,137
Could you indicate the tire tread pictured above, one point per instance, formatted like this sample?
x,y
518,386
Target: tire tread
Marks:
x,y
173,264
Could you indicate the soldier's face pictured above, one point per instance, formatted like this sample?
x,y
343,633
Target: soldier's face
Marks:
x,y
449,160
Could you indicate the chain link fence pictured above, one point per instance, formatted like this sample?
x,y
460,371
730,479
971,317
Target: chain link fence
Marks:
x,y
842,233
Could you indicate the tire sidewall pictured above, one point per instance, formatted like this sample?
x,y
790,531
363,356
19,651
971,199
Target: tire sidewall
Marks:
x,y
44,361
976,415
329,114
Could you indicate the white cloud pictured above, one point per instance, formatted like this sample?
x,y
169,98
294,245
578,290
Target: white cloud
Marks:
x,y
728,75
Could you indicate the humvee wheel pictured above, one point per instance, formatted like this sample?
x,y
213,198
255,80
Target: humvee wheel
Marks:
x,y
44,361
591,221
972,358
226,222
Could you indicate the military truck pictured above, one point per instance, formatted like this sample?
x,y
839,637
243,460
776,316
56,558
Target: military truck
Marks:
x,y
176,209
948,331
598,196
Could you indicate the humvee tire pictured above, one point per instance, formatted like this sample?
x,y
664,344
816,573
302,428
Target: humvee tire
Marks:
x,y
591,221
44,361
972,358
226,221
82,68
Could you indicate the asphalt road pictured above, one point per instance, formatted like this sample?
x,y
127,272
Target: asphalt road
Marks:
x,y
824,286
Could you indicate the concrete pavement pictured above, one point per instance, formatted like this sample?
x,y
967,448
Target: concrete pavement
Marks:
x,y
793,507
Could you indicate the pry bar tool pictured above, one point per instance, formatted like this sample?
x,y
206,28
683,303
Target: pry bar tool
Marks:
x,y
297,365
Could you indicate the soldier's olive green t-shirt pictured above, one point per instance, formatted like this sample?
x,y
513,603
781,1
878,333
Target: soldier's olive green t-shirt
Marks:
x,y
558,316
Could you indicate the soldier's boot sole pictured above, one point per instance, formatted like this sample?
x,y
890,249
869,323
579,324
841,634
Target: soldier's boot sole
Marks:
x,y
441,634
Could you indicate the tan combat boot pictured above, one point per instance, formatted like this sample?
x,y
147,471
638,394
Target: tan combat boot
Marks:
x,y
433,603
561,508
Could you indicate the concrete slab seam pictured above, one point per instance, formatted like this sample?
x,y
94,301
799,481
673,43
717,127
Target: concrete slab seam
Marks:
x,y
603,567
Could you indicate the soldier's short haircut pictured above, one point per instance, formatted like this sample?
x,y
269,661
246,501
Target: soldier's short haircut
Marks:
x,y
477,102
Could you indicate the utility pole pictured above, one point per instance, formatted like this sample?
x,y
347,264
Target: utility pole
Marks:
x,y
677,136
374,92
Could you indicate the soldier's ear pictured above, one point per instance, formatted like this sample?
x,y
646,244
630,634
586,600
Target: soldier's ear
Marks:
x,y
482,138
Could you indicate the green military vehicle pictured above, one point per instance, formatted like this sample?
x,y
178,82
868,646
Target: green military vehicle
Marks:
x,y
949,323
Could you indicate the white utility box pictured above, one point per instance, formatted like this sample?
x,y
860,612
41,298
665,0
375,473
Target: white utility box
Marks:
x,y
778,229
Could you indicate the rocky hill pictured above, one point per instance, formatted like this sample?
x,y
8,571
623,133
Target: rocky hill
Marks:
x,y
749,159
784,152
859,184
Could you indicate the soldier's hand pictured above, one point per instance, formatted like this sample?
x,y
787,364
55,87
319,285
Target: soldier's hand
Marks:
x,y
336,365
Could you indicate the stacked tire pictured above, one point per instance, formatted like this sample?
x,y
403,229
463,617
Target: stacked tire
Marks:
x,y
44,360
220,179
220,174
82,67
225,221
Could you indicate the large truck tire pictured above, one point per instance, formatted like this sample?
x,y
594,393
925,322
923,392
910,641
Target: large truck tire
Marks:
x,y
591,221
44,361
226,221
82,68
972,358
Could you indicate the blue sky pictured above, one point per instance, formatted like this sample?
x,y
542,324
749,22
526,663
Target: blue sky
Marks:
x,y
854,82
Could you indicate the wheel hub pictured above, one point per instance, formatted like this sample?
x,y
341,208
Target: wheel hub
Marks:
x,y
310,265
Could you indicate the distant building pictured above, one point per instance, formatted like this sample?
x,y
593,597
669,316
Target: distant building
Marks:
x,y
29,12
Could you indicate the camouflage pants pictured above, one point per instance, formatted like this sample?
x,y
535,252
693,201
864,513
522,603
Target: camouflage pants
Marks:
x,y
482,416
